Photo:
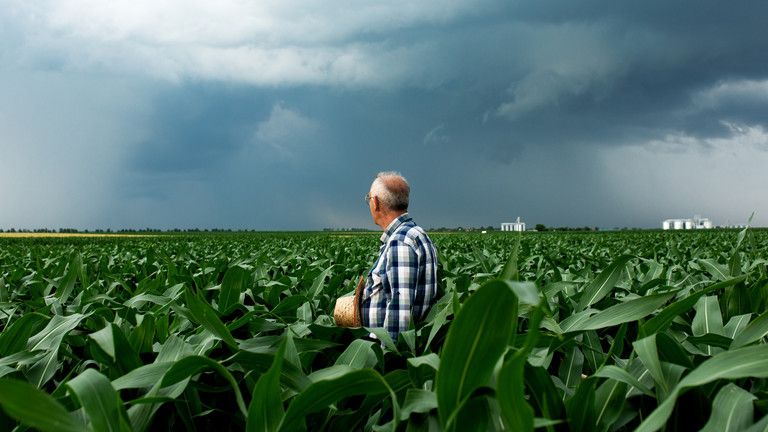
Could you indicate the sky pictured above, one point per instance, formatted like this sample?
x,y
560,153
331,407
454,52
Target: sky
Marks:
x,y
277,115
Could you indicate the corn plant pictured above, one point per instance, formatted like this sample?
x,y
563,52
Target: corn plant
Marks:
x,y
554,331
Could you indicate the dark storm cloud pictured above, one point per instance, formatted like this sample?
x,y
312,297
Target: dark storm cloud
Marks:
x,y
565,113
658,56
193,128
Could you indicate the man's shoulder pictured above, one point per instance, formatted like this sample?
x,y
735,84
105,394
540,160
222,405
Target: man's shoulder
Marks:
x,y
411,235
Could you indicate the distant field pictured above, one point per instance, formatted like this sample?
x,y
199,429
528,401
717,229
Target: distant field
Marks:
x,y
62,235
234,331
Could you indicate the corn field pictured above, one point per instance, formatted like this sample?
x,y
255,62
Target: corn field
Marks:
x,y
549,331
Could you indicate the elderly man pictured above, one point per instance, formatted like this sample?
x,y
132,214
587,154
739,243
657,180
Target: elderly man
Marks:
x,y
402,285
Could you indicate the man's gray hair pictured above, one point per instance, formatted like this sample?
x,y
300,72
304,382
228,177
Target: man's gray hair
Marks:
x,y
392,189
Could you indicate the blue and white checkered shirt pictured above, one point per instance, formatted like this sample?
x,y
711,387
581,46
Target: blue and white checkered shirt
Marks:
x,y
402,285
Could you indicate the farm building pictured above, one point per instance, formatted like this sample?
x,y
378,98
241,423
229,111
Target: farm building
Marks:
x,y
518,225
697,222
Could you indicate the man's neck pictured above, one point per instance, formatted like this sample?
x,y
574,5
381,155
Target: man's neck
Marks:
x,y
388,218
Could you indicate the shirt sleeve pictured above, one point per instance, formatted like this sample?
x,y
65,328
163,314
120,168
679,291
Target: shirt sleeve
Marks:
x,y
402,269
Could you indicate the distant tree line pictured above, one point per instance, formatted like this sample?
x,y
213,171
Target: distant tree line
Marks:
x,y
542,227
463,229
119,231
538,227
346,229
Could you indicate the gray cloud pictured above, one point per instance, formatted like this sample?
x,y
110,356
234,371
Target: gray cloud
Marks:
x,y
276,116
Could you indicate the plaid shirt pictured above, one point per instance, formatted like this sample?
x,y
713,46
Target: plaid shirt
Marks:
x,y
402,285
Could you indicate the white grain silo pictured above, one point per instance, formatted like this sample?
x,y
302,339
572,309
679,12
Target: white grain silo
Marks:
x,y
667,224
678,224
689,224
518,226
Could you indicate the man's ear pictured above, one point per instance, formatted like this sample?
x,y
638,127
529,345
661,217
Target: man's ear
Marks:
x,y
376,203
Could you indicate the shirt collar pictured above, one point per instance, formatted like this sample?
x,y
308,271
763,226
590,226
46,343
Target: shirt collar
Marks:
x,y
405,217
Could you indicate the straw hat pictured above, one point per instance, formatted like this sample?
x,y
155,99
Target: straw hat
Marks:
x,y
347,310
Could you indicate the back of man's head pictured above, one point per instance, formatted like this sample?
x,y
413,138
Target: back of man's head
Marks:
x,y
392,189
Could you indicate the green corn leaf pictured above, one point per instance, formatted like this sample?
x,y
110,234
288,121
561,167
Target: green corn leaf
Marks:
x,y
100,401
35,408
335,383
618,343
708,319
511,271
4,296
711,339
417,401
575,320
735,325
383,335
290,376
266,411
67,284
581,407
143,410
476,415
510,390
358,355
50,337
5,370
317,284
743,233
647,351
144,298
751,361
526,292
593,351
670,350
204,315
625,312
14,338
113,342
664,318
142,336
192,365
539,423
476,339
44,369
291,353
602,285
142,377
720,272
287,307
543,393
441,318
760,426
755,331
609,401
732,410
572,367
233,284
621,375
423,368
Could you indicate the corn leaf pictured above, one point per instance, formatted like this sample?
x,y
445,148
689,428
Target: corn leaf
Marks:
x,y
744,362
602,285
100,401
35,408
266,410
732,410
476,339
